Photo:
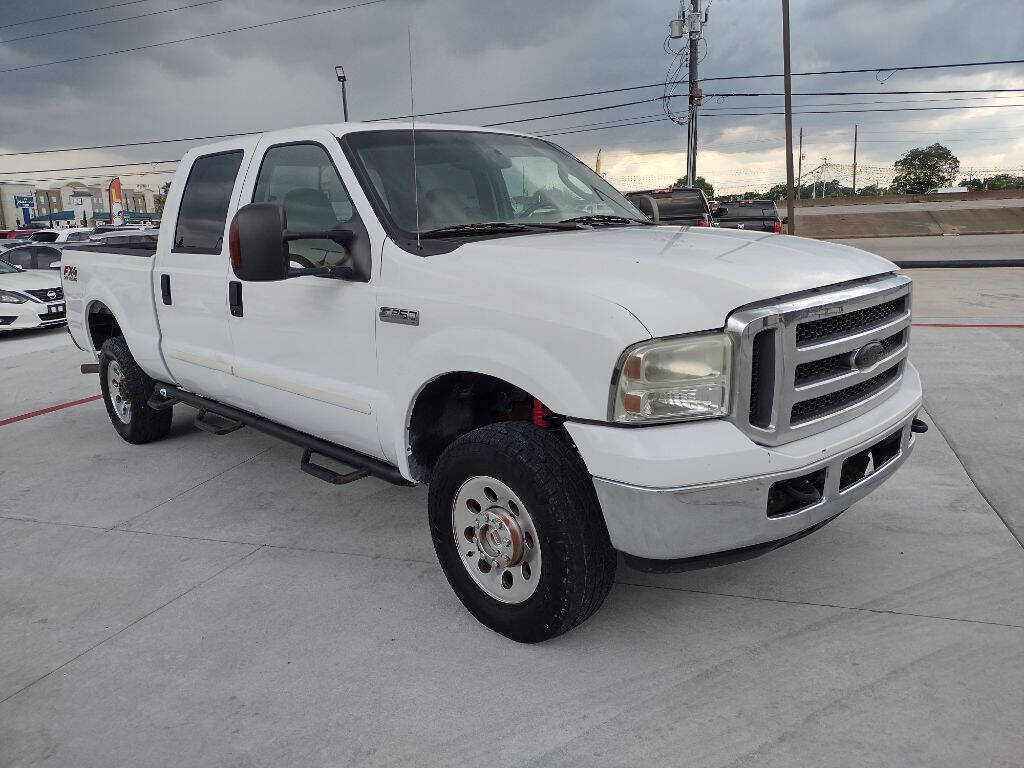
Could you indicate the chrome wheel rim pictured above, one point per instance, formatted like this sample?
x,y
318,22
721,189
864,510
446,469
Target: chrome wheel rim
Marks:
x,y
116,387
496,539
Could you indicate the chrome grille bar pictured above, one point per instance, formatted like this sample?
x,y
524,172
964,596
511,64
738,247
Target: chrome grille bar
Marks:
x,y
827,327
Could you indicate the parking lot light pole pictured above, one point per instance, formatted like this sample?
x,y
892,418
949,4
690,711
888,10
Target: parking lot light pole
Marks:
x,y
340,72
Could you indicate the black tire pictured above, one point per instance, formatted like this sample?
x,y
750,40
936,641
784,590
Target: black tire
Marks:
x,y
144,424
543,469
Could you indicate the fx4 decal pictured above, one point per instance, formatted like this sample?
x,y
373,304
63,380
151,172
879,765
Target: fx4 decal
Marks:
x,y
71,273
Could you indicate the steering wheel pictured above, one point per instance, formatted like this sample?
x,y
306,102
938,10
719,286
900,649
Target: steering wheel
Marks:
x,y
302,260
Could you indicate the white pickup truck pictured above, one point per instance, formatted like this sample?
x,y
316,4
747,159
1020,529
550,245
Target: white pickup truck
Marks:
x,y
480,311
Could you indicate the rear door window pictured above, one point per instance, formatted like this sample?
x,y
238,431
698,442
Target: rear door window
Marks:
x,y
680,204
19,257
202,216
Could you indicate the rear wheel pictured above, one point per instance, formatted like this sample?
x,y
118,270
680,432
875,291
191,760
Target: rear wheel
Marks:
x,y
126,389
519,532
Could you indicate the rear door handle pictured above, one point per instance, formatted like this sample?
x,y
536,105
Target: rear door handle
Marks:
x,y
165,288
235,298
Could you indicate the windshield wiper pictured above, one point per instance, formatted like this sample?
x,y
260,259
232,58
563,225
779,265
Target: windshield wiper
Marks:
x,y
602,218
481,228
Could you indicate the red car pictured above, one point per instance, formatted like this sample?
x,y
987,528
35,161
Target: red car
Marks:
x,y
14,234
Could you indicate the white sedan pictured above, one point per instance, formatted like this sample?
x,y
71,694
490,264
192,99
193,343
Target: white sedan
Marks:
x,y
30,299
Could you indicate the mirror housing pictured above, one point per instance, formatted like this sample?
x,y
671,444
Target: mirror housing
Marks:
x,y
256,241
648,207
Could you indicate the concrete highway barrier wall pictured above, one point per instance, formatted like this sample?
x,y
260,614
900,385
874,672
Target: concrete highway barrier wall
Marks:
x,y
967,221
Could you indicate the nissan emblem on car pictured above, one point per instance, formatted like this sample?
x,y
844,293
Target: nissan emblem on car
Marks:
x,y
51,294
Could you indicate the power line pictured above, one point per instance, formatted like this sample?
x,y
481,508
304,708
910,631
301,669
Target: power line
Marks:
x,y
72,13
758,114
111,21
129,144
866,93
193,37
96,167
79,177
612,124
870,69
510,104
721,111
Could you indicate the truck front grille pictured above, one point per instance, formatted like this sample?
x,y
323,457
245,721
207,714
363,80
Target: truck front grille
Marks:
x,y
841,325
798,371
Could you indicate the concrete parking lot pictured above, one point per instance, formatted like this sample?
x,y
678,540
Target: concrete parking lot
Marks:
x,y
200,602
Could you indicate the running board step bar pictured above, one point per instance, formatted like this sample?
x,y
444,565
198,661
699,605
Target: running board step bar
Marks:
x,y
165,395
329,475
216,424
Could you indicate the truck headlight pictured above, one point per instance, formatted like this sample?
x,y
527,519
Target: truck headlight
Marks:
x,y
9,297
675,379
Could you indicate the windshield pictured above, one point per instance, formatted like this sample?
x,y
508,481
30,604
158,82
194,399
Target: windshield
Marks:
x,y
469,178
6,268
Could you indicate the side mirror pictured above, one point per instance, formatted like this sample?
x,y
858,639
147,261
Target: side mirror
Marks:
x,y
258,242
257,245
648,207
785,219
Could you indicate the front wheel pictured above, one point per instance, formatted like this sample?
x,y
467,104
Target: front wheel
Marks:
x,y
519,532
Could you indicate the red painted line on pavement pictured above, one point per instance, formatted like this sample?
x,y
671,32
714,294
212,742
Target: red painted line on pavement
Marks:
x,y
51,409
965,325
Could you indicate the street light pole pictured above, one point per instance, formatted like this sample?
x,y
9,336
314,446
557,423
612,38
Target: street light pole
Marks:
x,y
790,203
339,71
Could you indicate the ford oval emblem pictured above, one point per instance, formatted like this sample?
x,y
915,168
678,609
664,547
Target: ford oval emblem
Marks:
x,y
868,355
51,294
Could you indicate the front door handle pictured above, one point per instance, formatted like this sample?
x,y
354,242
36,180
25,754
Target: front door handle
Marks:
x,y
165,288
235,298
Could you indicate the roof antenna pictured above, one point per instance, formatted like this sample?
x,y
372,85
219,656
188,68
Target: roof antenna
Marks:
x,y
415,180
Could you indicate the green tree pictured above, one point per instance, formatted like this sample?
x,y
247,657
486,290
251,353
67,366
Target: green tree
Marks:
x,y
1004,181
923,168
700,182
778,192
161,197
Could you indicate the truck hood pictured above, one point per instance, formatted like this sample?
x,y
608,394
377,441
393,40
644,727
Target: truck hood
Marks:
x,y
30,280
673,279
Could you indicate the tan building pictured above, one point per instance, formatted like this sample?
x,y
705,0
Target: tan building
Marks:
x,y
16,201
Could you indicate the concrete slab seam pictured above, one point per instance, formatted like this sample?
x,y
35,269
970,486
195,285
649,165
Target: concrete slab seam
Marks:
x,y
970,477
132,623
820,605
123,524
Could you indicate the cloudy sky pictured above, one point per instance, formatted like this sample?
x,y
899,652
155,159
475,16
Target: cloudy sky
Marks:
x,y
476,52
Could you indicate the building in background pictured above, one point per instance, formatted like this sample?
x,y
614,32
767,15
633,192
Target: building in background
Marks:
x,y
77,204
17,204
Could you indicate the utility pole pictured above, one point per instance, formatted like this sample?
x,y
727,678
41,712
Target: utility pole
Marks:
x,y
790,203
339,71
800,164
695,94
854,159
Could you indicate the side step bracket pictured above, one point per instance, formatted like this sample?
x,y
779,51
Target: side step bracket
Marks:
x,y
329,475
216,424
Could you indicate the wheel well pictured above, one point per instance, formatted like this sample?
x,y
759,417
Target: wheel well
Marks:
x,y
454,404
102,325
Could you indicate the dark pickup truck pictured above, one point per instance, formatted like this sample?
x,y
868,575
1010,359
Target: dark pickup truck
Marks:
x,y
758,215
682,205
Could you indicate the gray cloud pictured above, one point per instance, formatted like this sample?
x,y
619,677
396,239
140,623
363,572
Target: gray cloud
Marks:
x,y
470,53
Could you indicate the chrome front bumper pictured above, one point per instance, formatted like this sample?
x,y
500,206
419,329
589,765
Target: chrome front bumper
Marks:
x,y
698,520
